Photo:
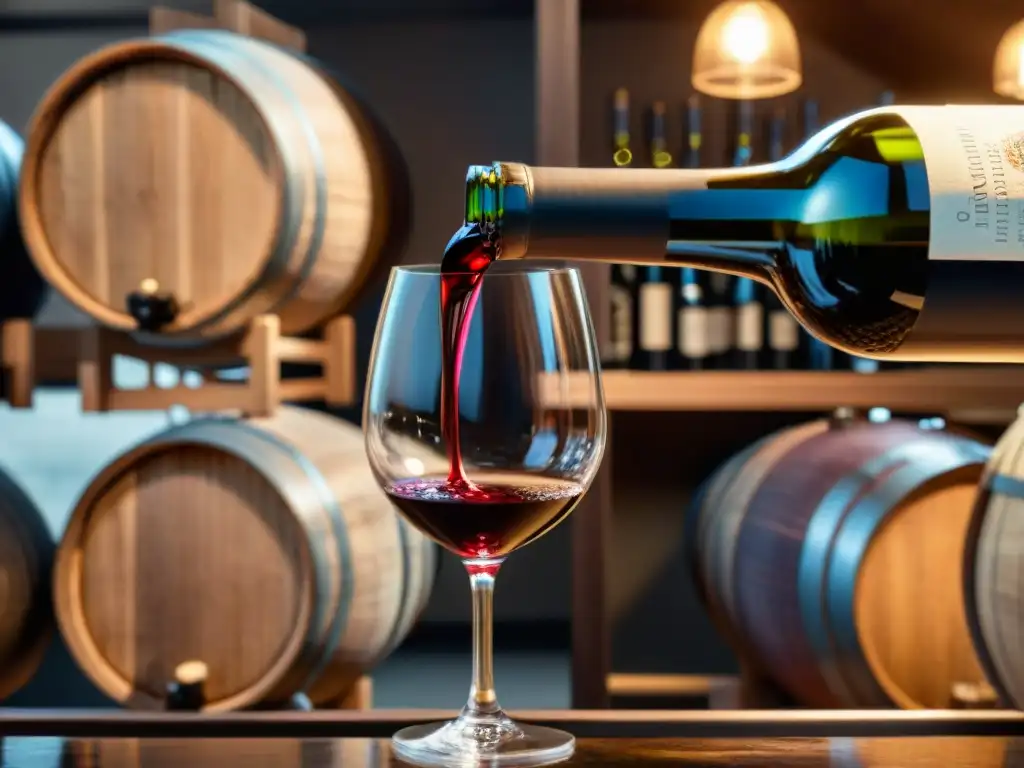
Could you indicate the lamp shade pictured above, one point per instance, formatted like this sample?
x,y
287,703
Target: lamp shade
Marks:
x,y
747,49
1008,68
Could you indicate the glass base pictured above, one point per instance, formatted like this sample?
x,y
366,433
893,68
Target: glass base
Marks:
x,y
490,740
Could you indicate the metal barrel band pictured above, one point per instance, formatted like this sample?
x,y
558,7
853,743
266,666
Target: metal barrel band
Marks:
x,y
816,554
853,540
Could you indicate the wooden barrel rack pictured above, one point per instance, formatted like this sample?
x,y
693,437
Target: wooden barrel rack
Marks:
x,y
262,349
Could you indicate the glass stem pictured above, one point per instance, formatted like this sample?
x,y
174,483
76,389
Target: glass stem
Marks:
x,y
483,701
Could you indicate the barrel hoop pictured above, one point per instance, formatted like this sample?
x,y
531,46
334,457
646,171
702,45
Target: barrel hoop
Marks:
x,y
996,640
198,44
1000,680
346,594
816,552
222,433
316,239
1011,444
851,543
1006,485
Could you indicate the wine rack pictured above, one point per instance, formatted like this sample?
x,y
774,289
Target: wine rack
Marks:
x,y
971,394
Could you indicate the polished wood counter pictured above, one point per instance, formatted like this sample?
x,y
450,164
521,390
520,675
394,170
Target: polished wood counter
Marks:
x,y
909,752
358,739
586,724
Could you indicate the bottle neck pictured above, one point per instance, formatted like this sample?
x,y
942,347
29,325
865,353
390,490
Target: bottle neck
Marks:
x,y
640,216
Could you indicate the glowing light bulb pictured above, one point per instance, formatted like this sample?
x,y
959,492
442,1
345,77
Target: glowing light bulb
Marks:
x,y
745,35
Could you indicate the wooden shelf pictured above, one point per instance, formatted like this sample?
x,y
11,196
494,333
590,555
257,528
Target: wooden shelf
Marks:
x,y
985,393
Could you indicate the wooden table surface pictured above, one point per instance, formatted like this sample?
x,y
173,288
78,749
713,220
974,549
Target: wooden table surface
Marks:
x,y
908,752
337,739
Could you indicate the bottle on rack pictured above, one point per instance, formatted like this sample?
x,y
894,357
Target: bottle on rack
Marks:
x,y
654,303
694,137
692,332
622,155
622,336
782,332
747,342
872,252
660,156
654,290
623,283
718,287
692,322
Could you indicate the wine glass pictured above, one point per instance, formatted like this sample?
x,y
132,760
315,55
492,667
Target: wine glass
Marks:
x,y
531,433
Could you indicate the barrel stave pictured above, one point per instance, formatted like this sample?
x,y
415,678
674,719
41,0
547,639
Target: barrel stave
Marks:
x,y
992,582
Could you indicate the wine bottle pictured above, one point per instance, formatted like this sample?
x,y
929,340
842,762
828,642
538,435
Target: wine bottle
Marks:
x,y
782,331
819,355
694,138
656,295
660,156
692,319
623,283
692,325
748,313
654,302
866,364
718,288
622,155
622,337
892,233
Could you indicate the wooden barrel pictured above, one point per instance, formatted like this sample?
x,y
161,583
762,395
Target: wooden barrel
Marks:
x,y
22,289
832,551
263,548
993,573
235,175
26,563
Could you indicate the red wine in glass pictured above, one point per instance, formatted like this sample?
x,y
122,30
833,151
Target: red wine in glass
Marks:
x,y
498,514
475,520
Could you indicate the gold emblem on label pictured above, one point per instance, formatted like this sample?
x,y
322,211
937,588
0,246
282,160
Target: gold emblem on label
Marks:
x,y
1013,149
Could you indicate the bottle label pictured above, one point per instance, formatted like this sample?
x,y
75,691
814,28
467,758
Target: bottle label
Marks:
x,y
719,329
621,345
693,333
656,317
783,331
974,157
750,327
